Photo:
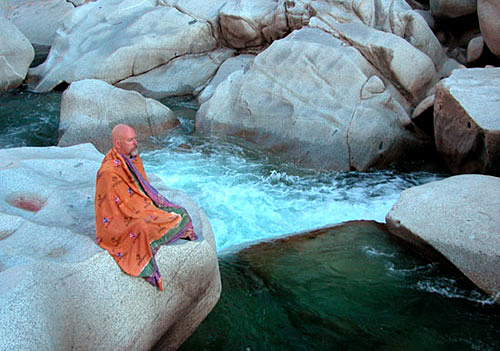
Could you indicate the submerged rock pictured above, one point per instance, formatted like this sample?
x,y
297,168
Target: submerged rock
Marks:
x,y
458,217
346,287
60,291
16,54
90,108
466,122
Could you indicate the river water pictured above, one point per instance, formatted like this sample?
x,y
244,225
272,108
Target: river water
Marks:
x,y
250,196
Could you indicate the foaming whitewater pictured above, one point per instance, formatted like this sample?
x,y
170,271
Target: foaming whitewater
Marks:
x,y
248,197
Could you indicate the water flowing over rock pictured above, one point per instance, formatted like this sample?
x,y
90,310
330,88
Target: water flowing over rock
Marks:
x,y
172,79
16,54
319,103
466,123
115,39
459,218
90,108
48,16
452,8
488,12
60,291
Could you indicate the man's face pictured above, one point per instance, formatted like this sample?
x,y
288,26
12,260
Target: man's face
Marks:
x,y
127,143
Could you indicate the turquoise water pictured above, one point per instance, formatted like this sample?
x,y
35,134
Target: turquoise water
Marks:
x,y
379,296
28,119
345,288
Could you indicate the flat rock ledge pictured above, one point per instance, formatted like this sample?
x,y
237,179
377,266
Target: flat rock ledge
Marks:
x,y
458,217
60,291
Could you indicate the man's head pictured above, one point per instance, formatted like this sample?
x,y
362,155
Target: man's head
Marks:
x,y
124,141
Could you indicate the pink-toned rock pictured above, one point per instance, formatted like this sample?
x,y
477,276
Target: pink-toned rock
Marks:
x,y
458,217
466,120
475,49
488,12
252,24
16,55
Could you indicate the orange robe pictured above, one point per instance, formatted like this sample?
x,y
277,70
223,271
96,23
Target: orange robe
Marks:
x,y
129,224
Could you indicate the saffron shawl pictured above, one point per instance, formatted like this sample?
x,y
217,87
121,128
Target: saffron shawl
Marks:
x,y
132,219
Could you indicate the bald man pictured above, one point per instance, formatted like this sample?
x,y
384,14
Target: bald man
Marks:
x,y
132,219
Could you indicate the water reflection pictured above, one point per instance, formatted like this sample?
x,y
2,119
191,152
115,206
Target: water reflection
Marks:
x,y
351,287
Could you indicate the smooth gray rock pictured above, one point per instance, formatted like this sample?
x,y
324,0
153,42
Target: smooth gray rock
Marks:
x,y
252,23
458,217
466,120
90,108
395,16
314,100
48,16
231,65
452,8
4,8
390,54
60,291
488,13
16,55
116,39
186,75
475,49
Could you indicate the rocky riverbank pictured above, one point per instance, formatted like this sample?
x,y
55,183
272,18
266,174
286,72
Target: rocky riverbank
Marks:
x,y
348,85
61,291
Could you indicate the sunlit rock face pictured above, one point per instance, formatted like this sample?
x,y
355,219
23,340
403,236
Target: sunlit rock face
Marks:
x,y
466,123
459,218
114,40
90,108
315,100
16,54
60,291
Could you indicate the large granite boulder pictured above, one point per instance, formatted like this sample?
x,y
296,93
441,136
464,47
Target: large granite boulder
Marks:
x,y
48,16
116,39
185,75
252,23
452,8
314,100
488,12
458,217
16,54
390,54
396,17
60,291
90,108
205,11
231,65
466,120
